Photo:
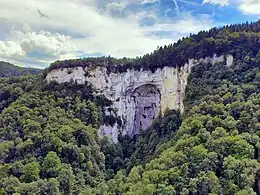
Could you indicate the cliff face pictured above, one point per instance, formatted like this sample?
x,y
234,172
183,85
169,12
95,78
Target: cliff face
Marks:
x,y
138,96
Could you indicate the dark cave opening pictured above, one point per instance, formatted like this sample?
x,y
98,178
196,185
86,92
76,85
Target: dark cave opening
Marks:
x,y
147,100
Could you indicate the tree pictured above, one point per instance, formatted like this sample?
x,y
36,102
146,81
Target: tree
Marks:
x,y
31,172
66,179
51,165
10,185
16,169
241,172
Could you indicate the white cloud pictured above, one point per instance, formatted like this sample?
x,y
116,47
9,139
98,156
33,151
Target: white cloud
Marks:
x,y
148,1
115,6
53,45
10,49
217,2
99,31
250,7
188,24
46,45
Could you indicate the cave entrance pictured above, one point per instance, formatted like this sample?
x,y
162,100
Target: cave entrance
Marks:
x,y
147,100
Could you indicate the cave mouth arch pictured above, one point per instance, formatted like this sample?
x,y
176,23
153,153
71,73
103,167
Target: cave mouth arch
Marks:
x,y
146,99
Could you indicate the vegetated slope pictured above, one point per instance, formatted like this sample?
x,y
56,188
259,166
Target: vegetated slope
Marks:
x,y
49,142
216,150
141,148
10,70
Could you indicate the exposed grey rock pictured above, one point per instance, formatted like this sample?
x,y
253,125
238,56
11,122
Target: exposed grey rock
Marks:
x,y
146,99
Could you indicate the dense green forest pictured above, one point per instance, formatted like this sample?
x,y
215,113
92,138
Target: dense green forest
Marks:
x,y
50,145
9,70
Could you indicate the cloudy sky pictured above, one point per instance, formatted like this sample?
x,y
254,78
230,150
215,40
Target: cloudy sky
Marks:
x,y
36,32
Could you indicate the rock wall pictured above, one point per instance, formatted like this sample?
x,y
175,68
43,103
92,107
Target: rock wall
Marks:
x,y
139,96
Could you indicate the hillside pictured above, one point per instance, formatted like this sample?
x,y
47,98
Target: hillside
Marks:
x,y
10,70
50,142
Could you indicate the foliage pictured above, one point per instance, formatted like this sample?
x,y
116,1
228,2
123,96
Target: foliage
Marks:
x,y
89,62
142,147
49,143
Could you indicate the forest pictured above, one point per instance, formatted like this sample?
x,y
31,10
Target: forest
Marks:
x,y
9,70
50,143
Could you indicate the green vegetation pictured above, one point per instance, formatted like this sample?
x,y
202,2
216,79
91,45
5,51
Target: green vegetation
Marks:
x,y
90,62
9,70
50,145
141,148
48,138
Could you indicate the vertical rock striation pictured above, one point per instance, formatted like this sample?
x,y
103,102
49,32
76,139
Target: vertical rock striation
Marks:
x,y
138,96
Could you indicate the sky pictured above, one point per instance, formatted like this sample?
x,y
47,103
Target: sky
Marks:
x,y
35,33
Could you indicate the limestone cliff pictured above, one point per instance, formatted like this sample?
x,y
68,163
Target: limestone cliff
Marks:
x,y
138,96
